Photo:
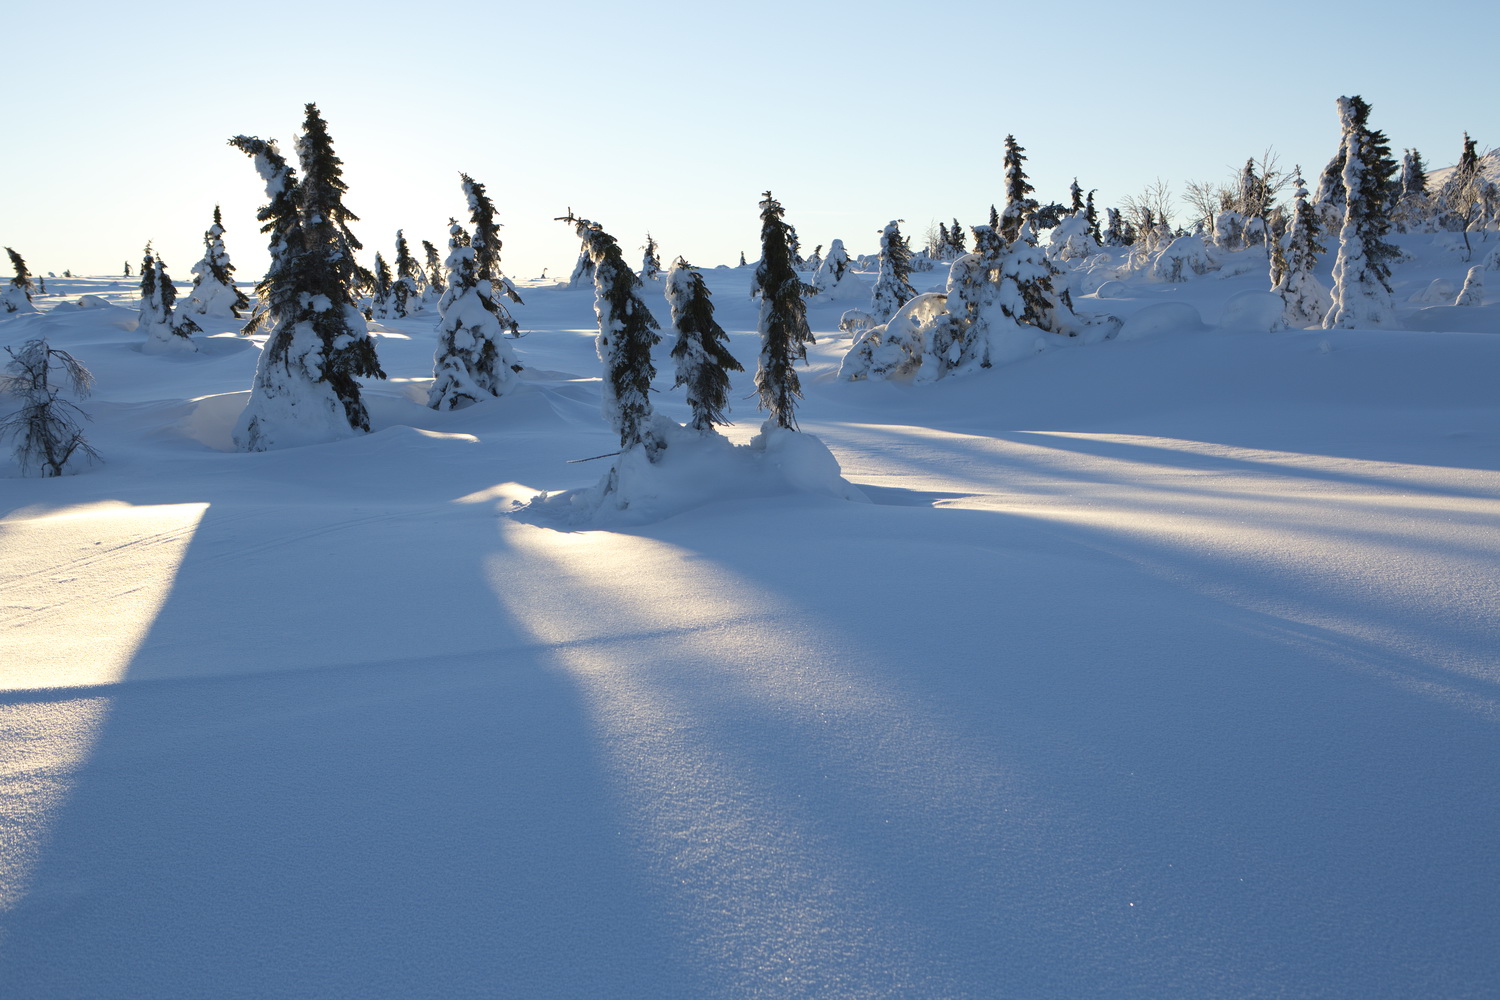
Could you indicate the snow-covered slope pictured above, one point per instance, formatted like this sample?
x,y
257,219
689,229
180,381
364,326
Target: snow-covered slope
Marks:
x,y
1162,667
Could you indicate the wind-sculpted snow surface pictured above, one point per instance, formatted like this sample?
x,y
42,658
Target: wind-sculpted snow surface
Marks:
x,y
1151,668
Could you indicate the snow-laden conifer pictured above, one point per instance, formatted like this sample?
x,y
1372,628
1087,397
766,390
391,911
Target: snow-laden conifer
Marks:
x,y
702,348
1361,289
165,332
473,361
784,333
833,278
406,283
1017,205
1472,293
45,429
893,281
1414,207
627,332
650,260
1305,298
305,388
380,294
436,284
1028,287
583,270
214,291
16,298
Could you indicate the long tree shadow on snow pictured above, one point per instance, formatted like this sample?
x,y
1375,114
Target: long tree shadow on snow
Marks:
x,y
307,785
1057,757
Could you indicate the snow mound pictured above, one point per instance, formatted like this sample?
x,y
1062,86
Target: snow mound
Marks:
x,y
1438,291
1113,289
1163,317
695,469
1456,319
1255,311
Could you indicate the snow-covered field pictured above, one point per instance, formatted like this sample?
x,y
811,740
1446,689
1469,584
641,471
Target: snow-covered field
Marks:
x,y
1159,667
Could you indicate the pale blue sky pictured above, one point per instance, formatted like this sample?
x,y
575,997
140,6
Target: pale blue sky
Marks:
x,y
675,119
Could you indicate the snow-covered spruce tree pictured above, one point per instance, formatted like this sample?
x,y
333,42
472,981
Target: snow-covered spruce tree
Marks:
x,y
406,285
380,295
956,240
1361,272
1473,290
472,361
702,348
784,333
279,219
214,291
627,332
45,429
583,270
1017,205
1028,294
973,300
305,388
1413,207
815,261
829,279
127,268
893,282
1305,298
165,333
435,285
17,295
182,324
651,261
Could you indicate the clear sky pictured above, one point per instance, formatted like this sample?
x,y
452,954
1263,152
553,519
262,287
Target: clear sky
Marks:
x,y
674,119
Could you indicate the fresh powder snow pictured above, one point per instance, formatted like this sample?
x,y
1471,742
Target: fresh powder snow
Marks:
x,y
1158,664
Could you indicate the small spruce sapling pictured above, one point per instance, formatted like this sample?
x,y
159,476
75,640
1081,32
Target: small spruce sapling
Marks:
x,y
702,348
45,429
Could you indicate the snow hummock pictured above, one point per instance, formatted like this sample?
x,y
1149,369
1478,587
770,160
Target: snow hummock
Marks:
x,y
694,469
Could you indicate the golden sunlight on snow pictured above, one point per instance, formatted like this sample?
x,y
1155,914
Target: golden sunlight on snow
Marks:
x,y
659,640
80,587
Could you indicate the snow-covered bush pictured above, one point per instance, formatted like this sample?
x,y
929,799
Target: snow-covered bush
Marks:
x,y
1071,240
1473,290
834,278
45,429
1185,256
